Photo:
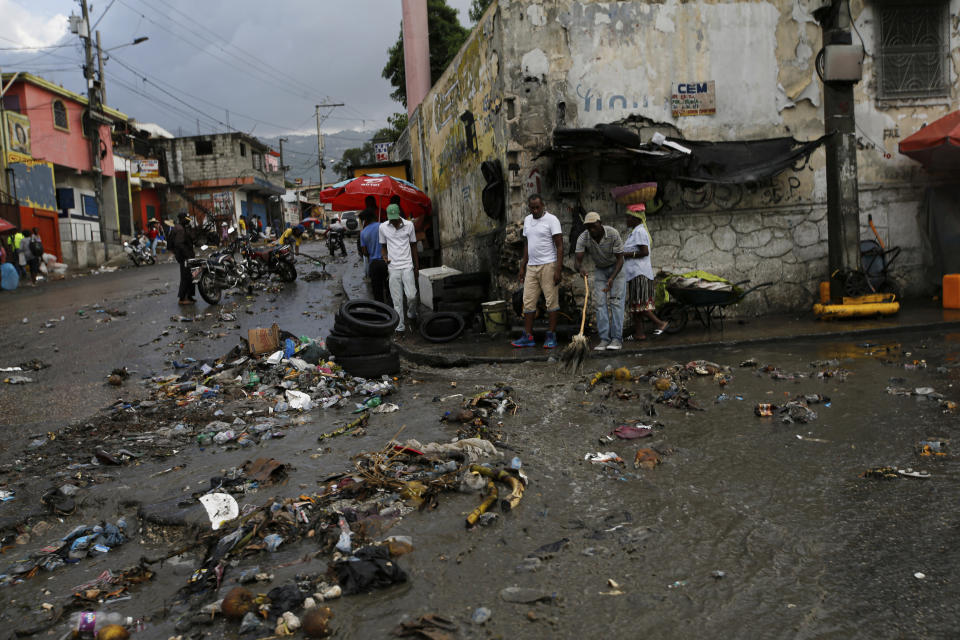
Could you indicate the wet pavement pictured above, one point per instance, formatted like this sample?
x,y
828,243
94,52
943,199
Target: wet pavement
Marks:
x,y
748,527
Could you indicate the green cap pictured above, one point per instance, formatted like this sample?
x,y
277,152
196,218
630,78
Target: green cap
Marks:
x,y
393,212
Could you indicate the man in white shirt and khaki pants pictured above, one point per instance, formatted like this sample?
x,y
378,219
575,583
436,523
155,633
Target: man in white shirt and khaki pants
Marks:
x,y
540,270
398,244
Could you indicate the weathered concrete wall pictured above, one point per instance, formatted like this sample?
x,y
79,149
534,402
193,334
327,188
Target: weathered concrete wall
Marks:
x,y
567,63
459,126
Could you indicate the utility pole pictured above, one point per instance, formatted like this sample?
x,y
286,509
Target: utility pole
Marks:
x,y
103,88
843,206
94,111
320,138
283,168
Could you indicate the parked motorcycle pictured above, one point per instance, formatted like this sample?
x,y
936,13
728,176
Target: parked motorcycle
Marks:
x,y
138,251
335,242
217,272
277,259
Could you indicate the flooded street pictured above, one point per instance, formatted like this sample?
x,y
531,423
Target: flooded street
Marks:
x,y
748,527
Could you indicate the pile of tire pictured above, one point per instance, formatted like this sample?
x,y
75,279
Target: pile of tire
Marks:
x,y
462,293
362,339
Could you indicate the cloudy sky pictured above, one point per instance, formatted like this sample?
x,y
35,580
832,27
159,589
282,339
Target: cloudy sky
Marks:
x,y
266,63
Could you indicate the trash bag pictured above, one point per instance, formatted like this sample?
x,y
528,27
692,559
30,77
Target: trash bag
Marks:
x,y
285,598
8,277
369,568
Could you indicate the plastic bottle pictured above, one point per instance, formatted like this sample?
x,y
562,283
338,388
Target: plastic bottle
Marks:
x,y
764,409
86,624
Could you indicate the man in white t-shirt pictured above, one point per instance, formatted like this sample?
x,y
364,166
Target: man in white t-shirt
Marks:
x,y
638,270
540,270
398,248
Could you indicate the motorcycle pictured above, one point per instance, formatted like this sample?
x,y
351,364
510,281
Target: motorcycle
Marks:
x,y
335,242
278,260
217,272
138,251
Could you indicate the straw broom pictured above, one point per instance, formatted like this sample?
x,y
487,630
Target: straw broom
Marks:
x,y
573,354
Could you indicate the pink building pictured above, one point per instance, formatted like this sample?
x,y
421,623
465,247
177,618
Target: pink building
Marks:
x,y
47,167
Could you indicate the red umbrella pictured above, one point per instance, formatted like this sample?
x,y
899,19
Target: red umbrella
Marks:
x,y
5,226
937,145
351,194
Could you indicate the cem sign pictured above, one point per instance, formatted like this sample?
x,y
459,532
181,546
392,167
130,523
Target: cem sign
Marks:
x,y
694,99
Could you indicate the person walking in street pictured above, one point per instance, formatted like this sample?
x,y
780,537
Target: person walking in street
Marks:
x,y
398,248
370,247
32,248
638,271
242,225
181,243
605,247
540,270
19,259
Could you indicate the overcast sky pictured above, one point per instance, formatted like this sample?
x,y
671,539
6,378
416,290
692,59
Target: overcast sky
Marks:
x,y
267,63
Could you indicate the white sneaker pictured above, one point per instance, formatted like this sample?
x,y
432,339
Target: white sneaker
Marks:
x,y
600,347
615,345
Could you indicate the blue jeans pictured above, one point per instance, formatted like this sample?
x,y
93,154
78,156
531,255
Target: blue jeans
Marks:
x,y
153,246
609,305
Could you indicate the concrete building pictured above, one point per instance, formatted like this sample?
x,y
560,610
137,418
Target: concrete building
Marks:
x,y
47,167
141,174
223,176
736,82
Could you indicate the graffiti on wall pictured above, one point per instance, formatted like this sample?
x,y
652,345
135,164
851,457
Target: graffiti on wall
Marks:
x,y
610,102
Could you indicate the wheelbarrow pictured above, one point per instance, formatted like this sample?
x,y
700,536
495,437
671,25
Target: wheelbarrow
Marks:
x,y
706,305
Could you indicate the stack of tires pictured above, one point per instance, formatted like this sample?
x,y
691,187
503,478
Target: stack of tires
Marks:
x,y
362,339
462,293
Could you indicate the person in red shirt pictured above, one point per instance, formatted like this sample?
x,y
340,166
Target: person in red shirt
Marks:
x,y
153,235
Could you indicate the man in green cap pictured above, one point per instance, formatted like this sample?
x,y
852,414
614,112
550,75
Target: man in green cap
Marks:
x,y
398,248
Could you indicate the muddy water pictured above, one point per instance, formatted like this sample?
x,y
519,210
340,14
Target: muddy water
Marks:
x,y
806,547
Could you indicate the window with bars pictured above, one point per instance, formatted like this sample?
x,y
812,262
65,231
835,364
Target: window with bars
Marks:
x,y
60,115
914,48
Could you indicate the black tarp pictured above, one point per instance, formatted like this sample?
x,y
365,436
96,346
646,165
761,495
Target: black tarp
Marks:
x,y
733,162
941,208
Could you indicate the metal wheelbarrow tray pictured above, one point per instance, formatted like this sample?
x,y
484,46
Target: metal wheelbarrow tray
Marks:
x,y
705,304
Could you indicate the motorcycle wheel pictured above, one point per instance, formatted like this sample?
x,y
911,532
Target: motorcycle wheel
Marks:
x,y
257,269
208,289
287,272
135,260
151,259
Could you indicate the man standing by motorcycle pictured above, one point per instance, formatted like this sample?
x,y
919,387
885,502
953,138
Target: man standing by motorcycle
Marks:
x,y
181,243
293,235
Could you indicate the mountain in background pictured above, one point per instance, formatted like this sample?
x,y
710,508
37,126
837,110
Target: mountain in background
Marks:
x,y
300,153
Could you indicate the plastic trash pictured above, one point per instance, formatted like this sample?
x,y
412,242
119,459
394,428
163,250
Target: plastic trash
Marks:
x,y
299,400
225,436
481,615
289,348
764,409
86,624
221,508
344,543
273,542
516,463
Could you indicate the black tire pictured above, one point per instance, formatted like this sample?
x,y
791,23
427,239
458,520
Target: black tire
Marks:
x,y
443,326
359,346
257,269
676,314
136,261
287,272
151,259
368,317
371,366
208,288
463,294
476,278
339,329
465,309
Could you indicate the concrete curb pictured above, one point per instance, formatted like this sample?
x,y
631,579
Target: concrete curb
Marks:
x,y
434,359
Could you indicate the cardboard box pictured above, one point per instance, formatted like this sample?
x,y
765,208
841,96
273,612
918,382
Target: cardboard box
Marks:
x,y
264,340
